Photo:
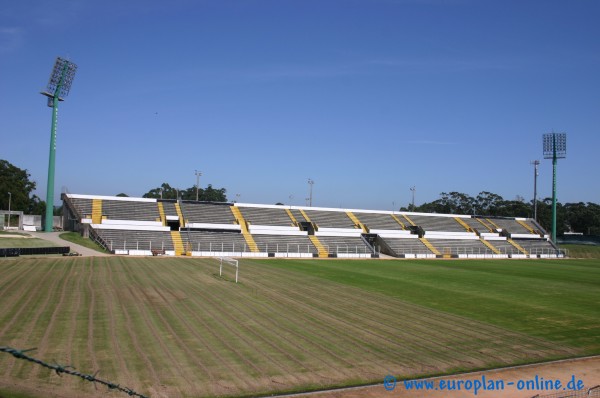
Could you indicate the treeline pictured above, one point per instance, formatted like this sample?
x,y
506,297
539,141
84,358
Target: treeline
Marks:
x,y
209,194
570,217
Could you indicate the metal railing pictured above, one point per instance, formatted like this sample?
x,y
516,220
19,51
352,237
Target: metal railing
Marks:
x,y
93,235
232,247
291,248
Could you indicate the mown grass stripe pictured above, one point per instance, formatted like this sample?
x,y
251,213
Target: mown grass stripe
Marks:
x,y
216,307
293,325
517,295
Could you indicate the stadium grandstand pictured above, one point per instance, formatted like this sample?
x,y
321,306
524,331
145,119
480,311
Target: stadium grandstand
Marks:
x,y
141,226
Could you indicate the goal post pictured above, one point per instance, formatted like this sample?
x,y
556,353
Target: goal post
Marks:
x,y
230,261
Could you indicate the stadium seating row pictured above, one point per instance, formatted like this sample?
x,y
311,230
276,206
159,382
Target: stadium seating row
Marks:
x,y
146,226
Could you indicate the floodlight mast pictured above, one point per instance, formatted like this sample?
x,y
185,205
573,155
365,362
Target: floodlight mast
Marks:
x,y
535,164
555,147
310,186
57,89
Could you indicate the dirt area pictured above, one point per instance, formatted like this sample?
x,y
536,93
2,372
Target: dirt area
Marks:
x,y
587,370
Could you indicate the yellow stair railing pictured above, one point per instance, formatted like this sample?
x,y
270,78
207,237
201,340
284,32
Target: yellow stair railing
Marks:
x,y
430,246
464,224
409,220
490,229
526,226
180,215
357,222
398,221
245,232
323,252
305,215
519,247
177,243
239,218
490,246
96,211
161,212
294,221
493,223
315,226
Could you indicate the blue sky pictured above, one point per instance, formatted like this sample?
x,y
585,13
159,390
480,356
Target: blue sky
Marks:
x,y
365,97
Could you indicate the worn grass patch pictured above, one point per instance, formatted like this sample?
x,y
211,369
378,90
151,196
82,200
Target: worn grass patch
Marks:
x,y
172,327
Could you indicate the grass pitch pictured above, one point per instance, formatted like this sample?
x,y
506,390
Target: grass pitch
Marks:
x,y
582,251
20,240
173,327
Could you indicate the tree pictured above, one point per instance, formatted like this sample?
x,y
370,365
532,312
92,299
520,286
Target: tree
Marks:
x,y
17,182
209,194
36,206
583,217
165,191
213,195
513,208
577,217
450,203
486,203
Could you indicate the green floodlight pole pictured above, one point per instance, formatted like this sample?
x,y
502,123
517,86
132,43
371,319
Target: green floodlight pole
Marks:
x,y
58,88
555,147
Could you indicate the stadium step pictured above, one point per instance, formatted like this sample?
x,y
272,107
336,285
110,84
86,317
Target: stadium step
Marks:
x,y
250,242
180,215
97,211
409,220
430,246
161,211
464,224
305,215
177,243
315,227
493,223
239,218
526,226
297,215
487,226
245,232
516,245
398,221
323,252
490,246
294,221
357,222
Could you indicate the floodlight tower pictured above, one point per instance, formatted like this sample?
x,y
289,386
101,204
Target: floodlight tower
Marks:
x,y
310,186
58,88
535,164
555,147
198,175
